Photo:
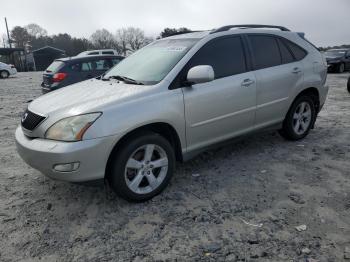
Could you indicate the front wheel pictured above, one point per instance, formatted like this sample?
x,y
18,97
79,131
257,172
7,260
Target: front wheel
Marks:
x,y
299,119
142,167
4,74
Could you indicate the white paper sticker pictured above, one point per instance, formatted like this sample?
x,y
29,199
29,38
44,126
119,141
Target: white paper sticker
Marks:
x,y
176,48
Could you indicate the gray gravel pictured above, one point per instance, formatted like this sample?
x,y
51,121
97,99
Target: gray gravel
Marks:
x,y
244,205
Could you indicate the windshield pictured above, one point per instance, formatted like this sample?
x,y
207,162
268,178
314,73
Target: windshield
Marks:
x,y
335,52
152,63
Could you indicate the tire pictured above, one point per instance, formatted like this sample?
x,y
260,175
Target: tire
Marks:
x,y
4,74
135,175
349,84
291,130
341,68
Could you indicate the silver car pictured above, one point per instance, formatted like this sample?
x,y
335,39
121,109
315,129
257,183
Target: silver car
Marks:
x,y
171,100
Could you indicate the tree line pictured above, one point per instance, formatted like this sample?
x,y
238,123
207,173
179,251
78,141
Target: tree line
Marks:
x,y
124,40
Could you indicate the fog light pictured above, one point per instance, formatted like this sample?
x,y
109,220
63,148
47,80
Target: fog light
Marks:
x,y
69,167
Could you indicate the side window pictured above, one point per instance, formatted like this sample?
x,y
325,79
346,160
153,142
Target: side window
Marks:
x,y
286,55
86,66
265,50
115,61
76,67
107,53
93,53
102,64
225,55
297,51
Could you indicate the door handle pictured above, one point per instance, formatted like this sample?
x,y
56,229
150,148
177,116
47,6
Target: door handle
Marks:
x,y
296,70
247,82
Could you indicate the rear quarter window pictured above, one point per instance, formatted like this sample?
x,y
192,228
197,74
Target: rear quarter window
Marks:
x,y
298,52
55,66
286,55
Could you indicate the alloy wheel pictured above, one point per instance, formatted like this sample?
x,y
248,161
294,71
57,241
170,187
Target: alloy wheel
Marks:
x,y
146,169
302,118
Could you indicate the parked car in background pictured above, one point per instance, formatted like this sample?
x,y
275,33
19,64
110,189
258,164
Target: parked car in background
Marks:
x,y
171,100
99,52
7,70
66,71
338,60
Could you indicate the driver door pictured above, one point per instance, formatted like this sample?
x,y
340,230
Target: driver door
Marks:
x,y
224,107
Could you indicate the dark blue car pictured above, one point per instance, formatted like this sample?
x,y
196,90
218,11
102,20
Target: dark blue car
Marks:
x,y
66,71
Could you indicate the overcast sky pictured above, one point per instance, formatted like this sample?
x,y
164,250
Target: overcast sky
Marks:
x,y
325,22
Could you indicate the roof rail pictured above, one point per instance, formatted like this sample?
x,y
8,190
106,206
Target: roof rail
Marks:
x,y
228,27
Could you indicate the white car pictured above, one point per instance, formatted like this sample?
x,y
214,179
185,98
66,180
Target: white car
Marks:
x,y
171,100
99,52
7,70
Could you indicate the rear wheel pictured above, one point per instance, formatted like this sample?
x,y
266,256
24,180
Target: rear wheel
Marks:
x,y
341,68
300,118
4,74
142,168
349,84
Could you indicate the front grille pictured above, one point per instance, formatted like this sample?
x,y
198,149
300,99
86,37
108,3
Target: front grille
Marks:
x,y
31,120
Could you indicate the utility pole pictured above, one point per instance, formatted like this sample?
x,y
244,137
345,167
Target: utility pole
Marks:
x,y
8,34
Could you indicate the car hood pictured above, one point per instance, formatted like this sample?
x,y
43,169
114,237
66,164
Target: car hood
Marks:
x,y
87,96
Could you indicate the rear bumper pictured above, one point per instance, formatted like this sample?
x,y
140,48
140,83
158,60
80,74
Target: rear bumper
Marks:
x,y
43,154
323,95
45,89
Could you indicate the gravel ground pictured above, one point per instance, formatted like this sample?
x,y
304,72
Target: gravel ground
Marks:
x,y
238,203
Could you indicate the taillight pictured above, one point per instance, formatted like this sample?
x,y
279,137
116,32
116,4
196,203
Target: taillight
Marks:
x,y
59,77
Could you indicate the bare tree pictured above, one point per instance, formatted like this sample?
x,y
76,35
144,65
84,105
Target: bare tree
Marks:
x,y
131,39
102,39
122,40
36,30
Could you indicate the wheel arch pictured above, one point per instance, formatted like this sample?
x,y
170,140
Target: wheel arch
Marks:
x,y
5,70
164,129
313,93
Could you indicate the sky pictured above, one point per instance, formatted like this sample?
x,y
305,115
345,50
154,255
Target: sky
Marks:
x,y
325,22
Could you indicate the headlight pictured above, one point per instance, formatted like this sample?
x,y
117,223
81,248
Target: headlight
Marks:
x,y
71,128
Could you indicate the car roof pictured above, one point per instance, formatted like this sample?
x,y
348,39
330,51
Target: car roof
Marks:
x,y
338,49
84,58
233,29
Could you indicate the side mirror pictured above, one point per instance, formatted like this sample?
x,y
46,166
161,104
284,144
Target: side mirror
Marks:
x,y
200,74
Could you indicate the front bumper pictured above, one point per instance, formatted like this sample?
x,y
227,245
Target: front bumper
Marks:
x,y
44,154
13,71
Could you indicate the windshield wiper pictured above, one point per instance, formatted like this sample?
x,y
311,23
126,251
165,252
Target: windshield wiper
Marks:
x,y
124,79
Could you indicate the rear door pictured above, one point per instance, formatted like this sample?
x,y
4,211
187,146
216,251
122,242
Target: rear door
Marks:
x,y
80,71
224,107
278,74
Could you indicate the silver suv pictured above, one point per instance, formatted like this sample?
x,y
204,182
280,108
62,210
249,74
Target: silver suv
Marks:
x,y
171,100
